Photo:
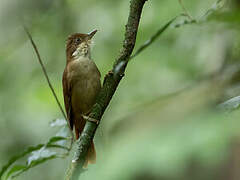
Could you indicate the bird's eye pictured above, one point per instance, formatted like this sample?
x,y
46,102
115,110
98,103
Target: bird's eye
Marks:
x,y
78,40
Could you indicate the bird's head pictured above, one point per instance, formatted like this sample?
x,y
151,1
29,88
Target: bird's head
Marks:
x,y
79,45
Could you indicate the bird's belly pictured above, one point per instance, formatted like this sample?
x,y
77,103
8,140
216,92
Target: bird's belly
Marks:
x,y
84,92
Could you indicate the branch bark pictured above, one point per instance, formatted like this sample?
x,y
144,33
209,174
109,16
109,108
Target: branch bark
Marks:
x,y
110,84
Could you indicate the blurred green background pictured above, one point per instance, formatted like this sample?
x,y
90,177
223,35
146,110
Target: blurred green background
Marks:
x,y
161,123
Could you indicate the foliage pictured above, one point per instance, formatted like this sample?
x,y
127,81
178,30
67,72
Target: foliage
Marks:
x,y
38,154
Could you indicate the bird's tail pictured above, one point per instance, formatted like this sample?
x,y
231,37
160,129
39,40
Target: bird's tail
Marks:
x,y
91,154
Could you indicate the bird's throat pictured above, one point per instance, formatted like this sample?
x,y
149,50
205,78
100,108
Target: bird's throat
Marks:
x,y
82,51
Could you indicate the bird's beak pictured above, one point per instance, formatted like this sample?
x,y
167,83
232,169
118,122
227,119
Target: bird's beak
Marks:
x,y
92,33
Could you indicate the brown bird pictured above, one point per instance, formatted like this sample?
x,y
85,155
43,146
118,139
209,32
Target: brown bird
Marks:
x,y
81,84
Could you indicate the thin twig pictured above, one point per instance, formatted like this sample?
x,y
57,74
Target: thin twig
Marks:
x,y
185,10
216,6
163,28
45,74
152,38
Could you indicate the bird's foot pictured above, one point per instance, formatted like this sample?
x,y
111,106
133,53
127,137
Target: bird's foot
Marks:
x,y
87,118
110,72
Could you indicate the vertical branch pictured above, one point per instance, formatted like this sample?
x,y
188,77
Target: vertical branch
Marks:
x,y
110,84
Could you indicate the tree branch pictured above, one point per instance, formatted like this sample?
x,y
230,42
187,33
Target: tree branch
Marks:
x,y
110,84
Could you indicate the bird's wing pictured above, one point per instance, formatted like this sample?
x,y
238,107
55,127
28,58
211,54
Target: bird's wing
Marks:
x,y
67,97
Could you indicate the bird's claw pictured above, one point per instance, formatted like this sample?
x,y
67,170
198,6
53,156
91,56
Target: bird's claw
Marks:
x,y
110,72
87,118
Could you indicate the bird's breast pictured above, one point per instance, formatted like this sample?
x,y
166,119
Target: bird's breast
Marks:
x,y
85,80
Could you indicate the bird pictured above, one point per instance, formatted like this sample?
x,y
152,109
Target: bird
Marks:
x,y
81,85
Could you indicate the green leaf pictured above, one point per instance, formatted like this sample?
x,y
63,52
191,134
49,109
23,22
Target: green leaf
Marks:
x,y
17,157
230,104
41,153
36,158
56,139
32,149
14,169
35,163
